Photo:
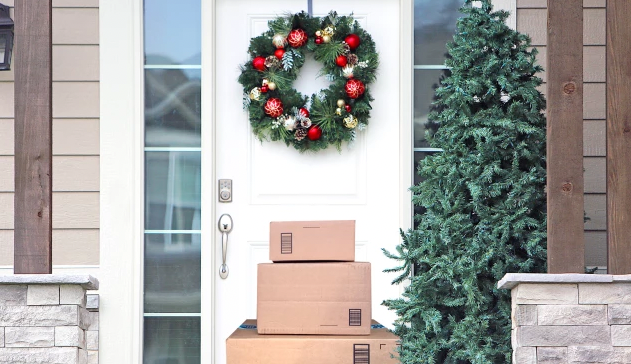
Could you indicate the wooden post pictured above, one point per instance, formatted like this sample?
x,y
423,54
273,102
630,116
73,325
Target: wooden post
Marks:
x,y
566,247
33,136
619,136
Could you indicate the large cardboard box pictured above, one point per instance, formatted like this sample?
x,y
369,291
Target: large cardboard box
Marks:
x,y
245,346
312,241
314,298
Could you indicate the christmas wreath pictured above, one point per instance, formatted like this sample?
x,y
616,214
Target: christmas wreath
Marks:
x,y
332,116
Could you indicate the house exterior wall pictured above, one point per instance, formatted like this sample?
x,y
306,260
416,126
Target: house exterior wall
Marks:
x,y
75,137
532,19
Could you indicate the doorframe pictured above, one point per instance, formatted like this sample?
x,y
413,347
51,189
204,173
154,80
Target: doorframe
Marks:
x,y
122,172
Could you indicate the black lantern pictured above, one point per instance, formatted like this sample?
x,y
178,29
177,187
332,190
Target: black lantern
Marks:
x,y
6,38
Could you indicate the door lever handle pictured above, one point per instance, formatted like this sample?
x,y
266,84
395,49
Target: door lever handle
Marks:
x,y
225,226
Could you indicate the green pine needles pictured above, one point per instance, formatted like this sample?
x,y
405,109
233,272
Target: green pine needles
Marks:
x,y
483,199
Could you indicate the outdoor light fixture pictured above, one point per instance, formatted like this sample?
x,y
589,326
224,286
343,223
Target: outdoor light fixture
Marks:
x,y
6,38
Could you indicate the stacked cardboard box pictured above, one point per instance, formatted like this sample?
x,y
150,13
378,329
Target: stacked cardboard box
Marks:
x,y
313,302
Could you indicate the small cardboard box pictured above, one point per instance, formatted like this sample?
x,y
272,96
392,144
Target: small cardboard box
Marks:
x,y
312,241
314,298
245,346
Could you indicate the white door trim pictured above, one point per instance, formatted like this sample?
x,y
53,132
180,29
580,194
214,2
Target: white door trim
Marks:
x,y
122,161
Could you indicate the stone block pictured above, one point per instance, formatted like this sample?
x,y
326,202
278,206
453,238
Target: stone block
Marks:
x,y
563,335
29,337
39,315
84,318
621,335
551,355
72,294
599,354
12,295
39,355
93,357
39,294
525,355
83,356
69,336
93,302
572,315
1,337
552,294
92,340
605,293
93,321
525,315
619,314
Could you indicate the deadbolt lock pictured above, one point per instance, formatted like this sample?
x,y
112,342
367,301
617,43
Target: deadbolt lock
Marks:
x,y
225,190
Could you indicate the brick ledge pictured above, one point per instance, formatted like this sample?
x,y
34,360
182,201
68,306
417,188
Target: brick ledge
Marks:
x,y
512,280
86,281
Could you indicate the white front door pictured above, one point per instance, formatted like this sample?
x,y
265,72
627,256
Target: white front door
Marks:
x,y
272,182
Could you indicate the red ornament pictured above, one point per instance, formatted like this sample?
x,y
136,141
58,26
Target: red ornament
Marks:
x,y
319,40
354,88
341,60
314,132
297,38
352,40
274,107
279,53
304,112
259,63
264,88
347,107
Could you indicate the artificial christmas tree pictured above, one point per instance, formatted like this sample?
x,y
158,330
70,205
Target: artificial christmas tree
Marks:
x,y
483,198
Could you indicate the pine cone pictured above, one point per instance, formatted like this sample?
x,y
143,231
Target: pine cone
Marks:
x,y
352,59
305,122
347,48
272,62
300,134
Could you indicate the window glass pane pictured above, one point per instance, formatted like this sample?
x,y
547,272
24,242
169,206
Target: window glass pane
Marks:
x,y
173,108
425,84
172,190
172,273
173,32
434,25
172,340
3,46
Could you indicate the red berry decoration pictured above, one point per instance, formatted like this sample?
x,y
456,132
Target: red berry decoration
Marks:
x,y
259,63
354,88
297,38
279,53
264,88
319,40
347,107
352,40
274,107
304,112
314,132
341,60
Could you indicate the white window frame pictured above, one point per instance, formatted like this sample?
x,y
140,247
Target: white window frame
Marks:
x,y
122,174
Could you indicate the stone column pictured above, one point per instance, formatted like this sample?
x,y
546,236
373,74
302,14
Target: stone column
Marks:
x,y
570,318
44,319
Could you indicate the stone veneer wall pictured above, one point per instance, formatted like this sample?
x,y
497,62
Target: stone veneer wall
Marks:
x,y
48,319
570,318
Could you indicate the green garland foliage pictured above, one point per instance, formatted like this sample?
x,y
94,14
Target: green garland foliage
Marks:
x,y
482,199
323,109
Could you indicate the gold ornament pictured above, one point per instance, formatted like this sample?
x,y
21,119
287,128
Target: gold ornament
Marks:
x,y
338,111
318,33
255,94
341,103
330,30
279,40
326,39
347,71
350,122
271,86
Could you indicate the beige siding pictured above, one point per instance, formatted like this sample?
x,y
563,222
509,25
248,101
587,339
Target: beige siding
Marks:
x,y
532,19
75,138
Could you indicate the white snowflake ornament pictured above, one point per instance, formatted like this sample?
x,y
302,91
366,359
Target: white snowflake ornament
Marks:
x,y
504,97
